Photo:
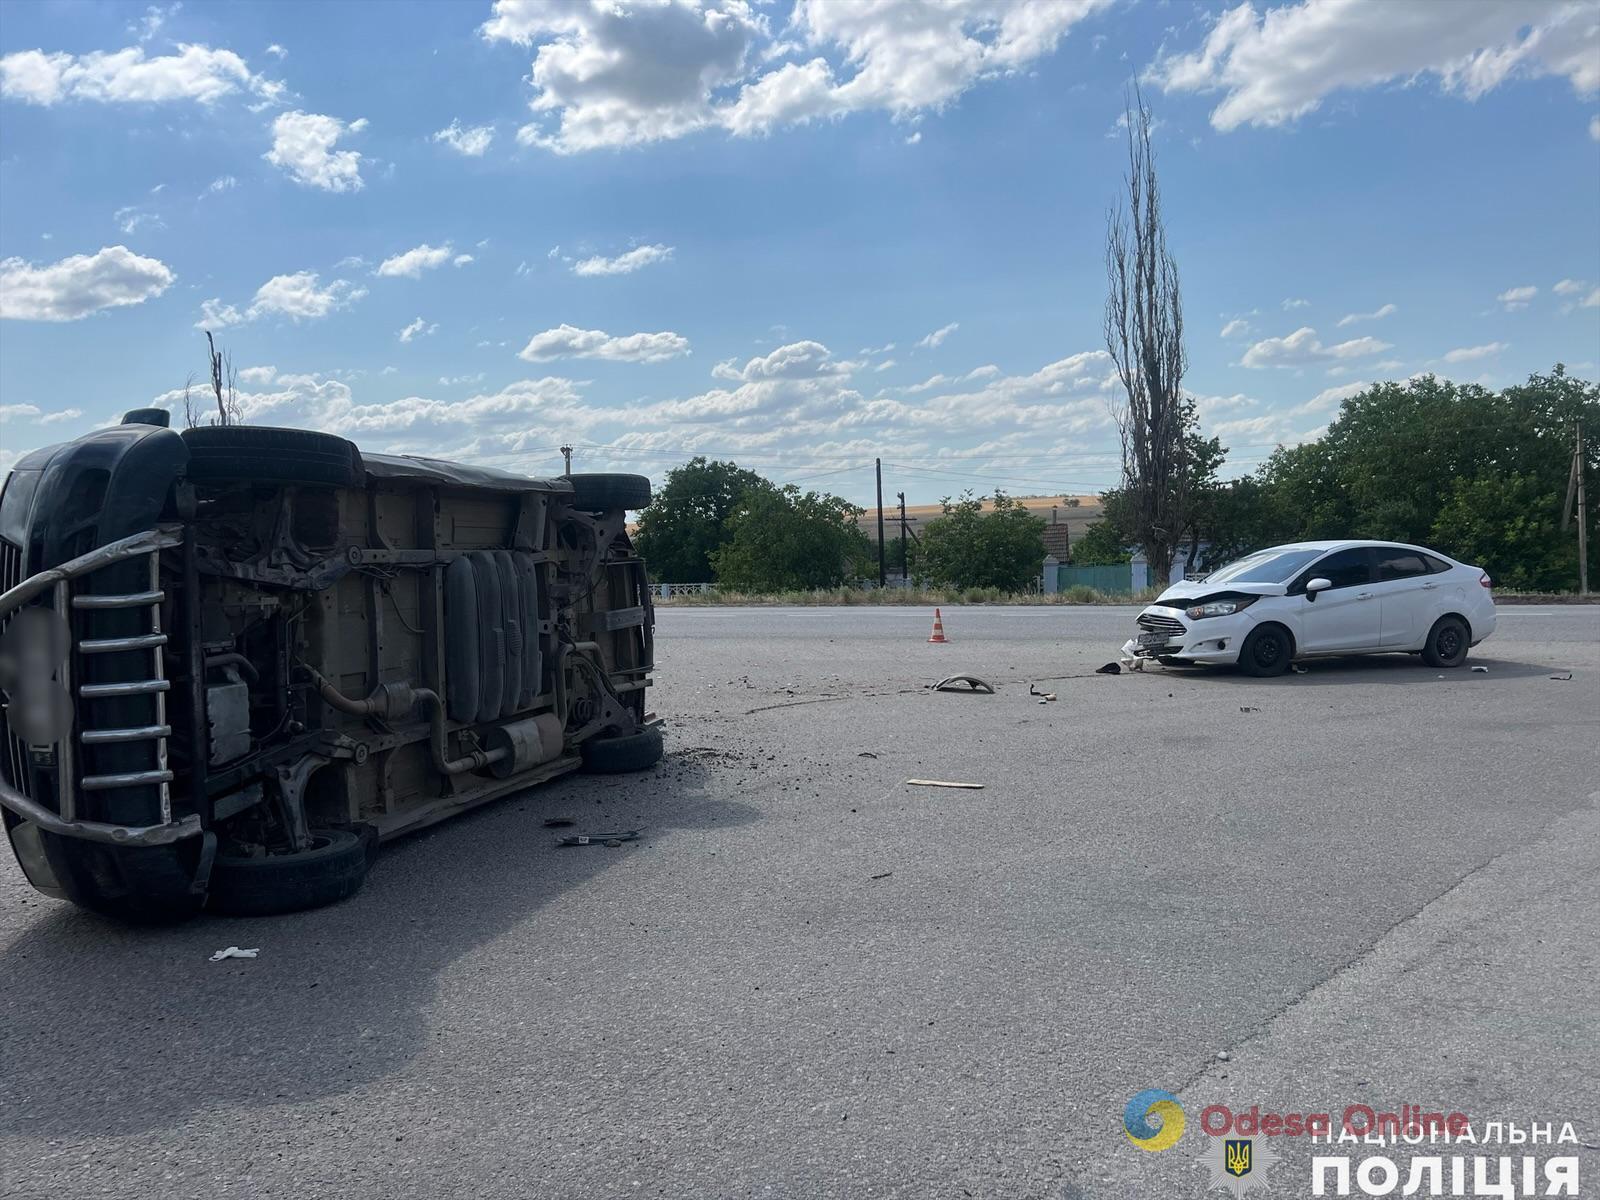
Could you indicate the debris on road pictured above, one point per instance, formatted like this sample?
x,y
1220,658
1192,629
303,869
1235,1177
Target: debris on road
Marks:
x,y
975,686
1110,668
1044,697
235,952
1298,669
1481,670
1248,708
866,754
1567,676
600,839
944,783
558,822
885,875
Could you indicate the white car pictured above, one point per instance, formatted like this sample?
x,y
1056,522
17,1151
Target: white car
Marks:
x,y
1310,599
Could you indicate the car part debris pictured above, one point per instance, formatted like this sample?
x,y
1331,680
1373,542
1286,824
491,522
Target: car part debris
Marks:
x,y
1248,708
944,783
1481,670
235,952
1110,668
558,822
1044,697
885,875
1561,678
974,685
866,754
600,839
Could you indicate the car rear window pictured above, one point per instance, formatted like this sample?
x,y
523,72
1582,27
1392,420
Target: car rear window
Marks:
x,y
1264,566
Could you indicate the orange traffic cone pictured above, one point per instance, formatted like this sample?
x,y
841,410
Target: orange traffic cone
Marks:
x,y
938,628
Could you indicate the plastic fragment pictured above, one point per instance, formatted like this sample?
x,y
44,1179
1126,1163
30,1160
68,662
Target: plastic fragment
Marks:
x,y
235,952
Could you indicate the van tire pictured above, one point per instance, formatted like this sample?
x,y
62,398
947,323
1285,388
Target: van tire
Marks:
x,y
602,493
619,755
257,454
1447,643
332,870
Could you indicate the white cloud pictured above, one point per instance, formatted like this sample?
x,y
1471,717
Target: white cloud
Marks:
x,y
1594,127
1518,297
1302,348
417,328
36,415
798,360
1279,66
1569,287
303,145
219,185
196,73
257,374
1474,353
1388,310
1330,398
914,138
462,260
623,264
568,341
1592,300
471,140
277,51
1236,328
937,337
154,18
132,218
412,263
112,277
631,72
300,297
1294,303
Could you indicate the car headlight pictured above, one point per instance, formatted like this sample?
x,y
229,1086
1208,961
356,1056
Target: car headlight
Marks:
x,y
1219,608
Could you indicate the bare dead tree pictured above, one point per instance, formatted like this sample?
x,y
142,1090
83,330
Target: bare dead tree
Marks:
x,y
191,414
224,378
1144,335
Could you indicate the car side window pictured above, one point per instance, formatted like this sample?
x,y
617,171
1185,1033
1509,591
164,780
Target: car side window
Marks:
x,y
1400,564
1435,566
1346,568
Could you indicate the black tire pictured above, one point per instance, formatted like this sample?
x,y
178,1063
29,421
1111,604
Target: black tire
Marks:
x,y
256,454
619,755
1267,651
602,493
332,870
1447,644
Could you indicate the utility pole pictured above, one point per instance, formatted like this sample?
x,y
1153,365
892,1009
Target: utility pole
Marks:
x,y
1583,514
883,576
905,574
566,453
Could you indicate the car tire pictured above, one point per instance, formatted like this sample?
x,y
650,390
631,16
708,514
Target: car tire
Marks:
x,y
619,755
1267,651
602,493
332,870
257,454
1447,643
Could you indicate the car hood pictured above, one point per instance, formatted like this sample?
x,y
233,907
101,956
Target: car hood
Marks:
x,y
1191,591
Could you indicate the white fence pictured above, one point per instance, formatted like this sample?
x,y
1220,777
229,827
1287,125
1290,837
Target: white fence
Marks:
x,y
662,590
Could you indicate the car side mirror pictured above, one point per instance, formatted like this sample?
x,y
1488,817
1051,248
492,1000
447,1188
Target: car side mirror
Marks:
x,y
1319,584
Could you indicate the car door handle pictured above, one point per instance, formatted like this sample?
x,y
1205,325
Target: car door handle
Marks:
x,y
1364,596
1428,587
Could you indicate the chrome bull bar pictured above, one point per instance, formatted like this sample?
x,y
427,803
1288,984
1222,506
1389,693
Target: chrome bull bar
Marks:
x,y
58,581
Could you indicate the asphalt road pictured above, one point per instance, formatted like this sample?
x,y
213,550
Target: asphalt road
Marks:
x,y
1374,882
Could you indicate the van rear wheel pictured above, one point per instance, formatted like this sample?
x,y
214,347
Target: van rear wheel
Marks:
x,y
618,755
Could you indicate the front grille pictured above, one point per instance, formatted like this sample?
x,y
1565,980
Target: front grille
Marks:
x,y
1154,623
13,751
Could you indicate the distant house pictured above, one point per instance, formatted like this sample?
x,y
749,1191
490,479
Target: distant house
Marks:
x,y
1057,541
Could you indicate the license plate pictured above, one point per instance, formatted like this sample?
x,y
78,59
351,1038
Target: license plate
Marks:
x,y
1154,639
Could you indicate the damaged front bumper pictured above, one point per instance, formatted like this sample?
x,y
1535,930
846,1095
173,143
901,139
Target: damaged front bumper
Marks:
x,y
1170,633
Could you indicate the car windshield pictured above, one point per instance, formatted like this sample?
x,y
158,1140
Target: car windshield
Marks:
x,y
1264,566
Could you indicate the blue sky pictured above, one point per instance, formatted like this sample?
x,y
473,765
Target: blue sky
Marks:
x,y
800,236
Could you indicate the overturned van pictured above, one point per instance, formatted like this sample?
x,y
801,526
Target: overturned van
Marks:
x,y
235,659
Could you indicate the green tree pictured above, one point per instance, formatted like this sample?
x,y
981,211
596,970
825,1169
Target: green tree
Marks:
x,y
968,547
1101,545
1508,526
687,521
782,539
